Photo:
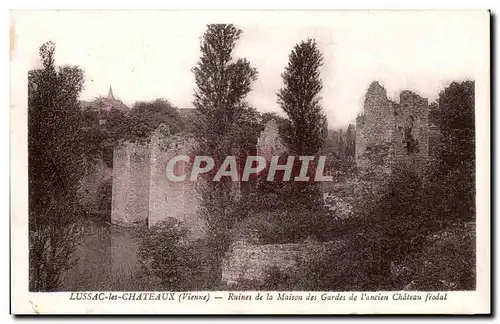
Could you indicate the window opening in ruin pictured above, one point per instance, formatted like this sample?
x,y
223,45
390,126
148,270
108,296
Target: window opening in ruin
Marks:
x,y
409,139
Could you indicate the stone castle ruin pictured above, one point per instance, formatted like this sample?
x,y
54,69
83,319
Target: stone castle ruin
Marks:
x,y
401,132
142,194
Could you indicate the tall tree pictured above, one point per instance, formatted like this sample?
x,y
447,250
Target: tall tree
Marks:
x,y
221,87
304,131
454,170
55,166
55,153
456,122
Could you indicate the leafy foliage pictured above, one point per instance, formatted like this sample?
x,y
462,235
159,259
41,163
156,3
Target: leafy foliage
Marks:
x,y
166,253
448,262
146,117
226,126
383,231
221,84
276,279
288,226
452,176
56,154
306,126
51,246
56,163
135,125
268,116
305,130
391,227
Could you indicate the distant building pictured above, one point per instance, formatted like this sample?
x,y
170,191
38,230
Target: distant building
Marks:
x,y
105,103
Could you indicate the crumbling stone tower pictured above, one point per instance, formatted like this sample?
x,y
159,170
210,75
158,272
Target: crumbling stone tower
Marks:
x,y
142,193
398,131
130,191
411,136
167,198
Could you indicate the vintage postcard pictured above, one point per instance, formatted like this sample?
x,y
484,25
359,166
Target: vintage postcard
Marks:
x,y
250,162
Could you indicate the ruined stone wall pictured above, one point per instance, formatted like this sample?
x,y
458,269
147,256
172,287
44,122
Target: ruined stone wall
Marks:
x,y
246,261
401,130
434,139
411,125
375,127
167,198
120,183
360,138
269,143
379,114
130,197
142,193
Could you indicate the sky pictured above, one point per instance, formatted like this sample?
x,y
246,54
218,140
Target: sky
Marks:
x,y
146,55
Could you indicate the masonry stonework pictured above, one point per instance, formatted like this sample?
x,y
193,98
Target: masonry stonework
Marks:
x,y
269,143
401,128
173,199
142,193
411,138
130,193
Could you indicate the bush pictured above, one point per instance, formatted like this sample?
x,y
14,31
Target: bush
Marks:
x,y
277,280
166,253
448,263
288,226
104,197
356,265
393,241
51,250
54,234
386,228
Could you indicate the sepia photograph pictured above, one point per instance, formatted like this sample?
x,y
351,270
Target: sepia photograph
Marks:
x,y
299,157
